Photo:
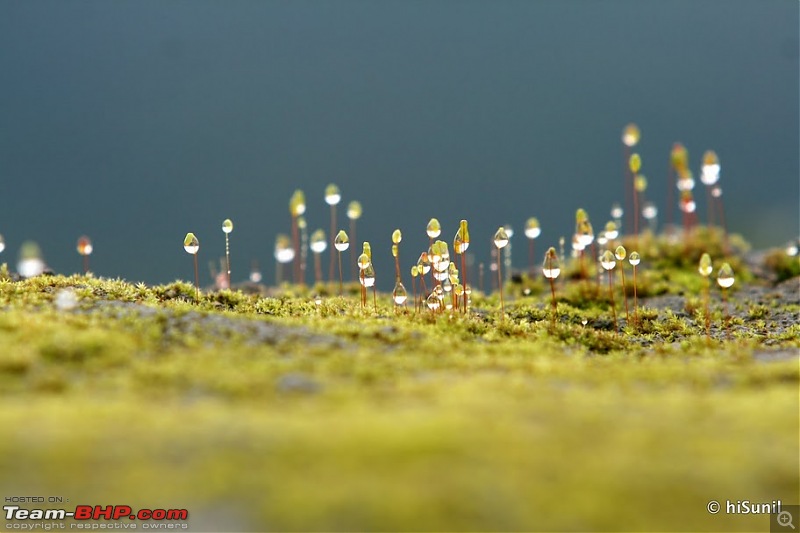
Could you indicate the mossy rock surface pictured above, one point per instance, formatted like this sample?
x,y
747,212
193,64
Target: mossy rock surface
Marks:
x,y
260,413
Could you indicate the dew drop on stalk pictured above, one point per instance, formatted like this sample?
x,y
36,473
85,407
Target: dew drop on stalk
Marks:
x,y
685,181
602,240
369,276
414,271
791,249
30,262
432,302
423,264
611,231
434,229
607,260
532,229
342,242
649,211
317,300
354,210
2,244
284,253
687,203
635,163
617,212
634,259
297,203
85,246
620,253
705,267
640,183
461,241
725,276
577,245
551,268
631,135
399,294
332,195
446,285
500,238
397,236
317,242
716,192
191,244
709,174
458,289
363,261
227,225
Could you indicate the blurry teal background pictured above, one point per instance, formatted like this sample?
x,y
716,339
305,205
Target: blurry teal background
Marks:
x,y
135,122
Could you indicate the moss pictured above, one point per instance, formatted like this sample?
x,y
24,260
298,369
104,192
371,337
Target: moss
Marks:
x,y
293,416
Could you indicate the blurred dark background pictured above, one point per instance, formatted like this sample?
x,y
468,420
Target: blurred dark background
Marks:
x,y
137,121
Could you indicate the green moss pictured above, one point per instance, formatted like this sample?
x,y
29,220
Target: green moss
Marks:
x,y
282,414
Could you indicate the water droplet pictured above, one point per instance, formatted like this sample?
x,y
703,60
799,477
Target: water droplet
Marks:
x,y
85,246
501,238
2,244
716,192
709,174
687,203
317,300
620,253
297,203
792,249
30,262
414,271
255,276
332,194
640,183
227,225
440,276
634,259
446,285
191,244
423,264
434,229
399,294
725,276
630,135
354,210
602,240
284,253
635,163
616,211
363,261
705,267
509,230
649,211
317,242
458,289
577,245
532,229
66,299
551,268
342,242
397,236
679,157
432,302
462,236
685,181
607,260
611,231
369,276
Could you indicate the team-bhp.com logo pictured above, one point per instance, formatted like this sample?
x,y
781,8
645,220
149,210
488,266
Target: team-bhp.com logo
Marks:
x,y
96,512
